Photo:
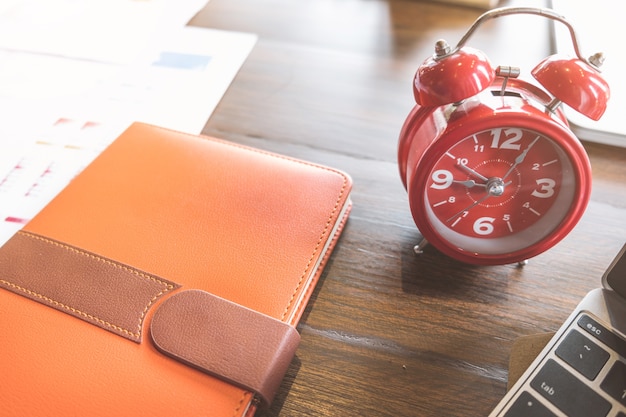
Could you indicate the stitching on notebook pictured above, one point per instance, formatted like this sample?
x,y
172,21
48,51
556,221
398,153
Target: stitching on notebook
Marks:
x,y
142,316
328,222
167,286
315,249
241,401
327,255
261,151
278,156
66,307
98,258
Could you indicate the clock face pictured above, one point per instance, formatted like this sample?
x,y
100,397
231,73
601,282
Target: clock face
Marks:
x,y
499,190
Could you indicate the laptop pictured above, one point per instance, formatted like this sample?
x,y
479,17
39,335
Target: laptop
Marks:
x,y
599,27
582,370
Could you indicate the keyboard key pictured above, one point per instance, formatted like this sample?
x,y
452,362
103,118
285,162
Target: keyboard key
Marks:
x,y
603,334
614,383
582,354
528,406
568,393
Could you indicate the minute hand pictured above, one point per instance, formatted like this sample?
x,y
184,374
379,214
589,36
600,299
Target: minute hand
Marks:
x,y
520,158
472,172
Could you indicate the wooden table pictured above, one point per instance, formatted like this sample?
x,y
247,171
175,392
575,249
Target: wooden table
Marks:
x,y
389,333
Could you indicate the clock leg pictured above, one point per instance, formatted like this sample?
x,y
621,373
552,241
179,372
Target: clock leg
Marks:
x,y
419,248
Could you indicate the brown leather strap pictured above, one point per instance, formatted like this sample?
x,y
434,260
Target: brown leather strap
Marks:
x,y
226,340
98,290
219,337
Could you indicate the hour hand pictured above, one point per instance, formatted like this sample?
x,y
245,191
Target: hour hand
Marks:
x,y
470,183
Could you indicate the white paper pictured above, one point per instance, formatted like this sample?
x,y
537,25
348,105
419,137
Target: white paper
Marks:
x,y
100,30
63,104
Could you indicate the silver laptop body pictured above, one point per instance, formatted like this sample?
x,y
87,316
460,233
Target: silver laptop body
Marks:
x,y
582,370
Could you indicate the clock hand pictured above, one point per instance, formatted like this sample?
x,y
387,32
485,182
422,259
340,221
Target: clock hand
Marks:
x,y
520,158
470,183
495,187
472,172
474,204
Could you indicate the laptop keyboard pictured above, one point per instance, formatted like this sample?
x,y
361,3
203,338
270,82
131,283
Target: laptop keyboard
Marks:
x,y
584,377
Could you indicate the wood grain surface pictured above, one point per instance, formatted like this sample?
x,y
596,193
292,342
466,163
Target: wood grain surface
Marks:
x,y
389,333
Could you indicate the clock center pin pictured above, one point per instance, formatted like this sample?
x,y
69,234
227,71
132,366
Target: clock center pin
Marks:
x,y
495,187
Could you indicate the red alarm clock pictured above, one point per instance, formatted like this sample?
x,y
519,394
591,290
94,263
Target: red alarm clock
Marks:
x,y
493,172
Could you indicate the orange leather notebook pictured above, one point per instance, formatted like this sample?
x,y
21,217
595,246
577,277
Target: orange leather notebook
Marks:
x,y
165,280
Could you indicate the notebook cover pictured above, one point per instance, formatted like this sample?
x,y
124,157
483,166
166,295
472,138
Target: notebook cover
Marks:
x,y
159,214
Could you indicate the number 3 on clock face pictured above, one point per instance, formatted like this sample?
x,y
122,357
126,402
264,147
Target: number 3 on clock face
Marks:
x,y
498,191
